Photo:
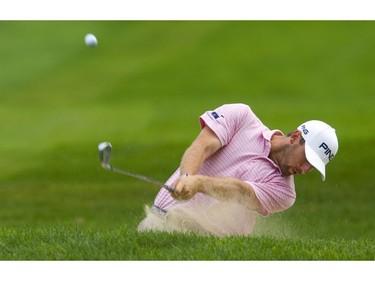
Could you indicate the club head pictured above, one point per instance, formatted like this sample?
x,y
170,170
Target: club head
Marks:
x,y
104,150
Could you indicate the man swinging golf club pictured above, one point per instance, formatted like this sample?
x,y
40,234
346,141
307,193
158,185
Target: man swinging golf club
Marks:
x,y
237,169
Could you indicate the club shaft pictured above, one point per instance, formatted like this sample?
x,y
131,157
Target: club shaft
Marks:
x,y
141,177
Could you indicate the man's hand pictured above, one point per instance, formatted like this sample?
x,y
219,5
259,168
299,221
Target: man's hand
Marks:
x,y
186,187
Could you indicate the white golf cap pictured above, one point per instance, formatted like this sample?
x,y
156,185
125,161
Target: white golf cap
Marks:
x,y
321,144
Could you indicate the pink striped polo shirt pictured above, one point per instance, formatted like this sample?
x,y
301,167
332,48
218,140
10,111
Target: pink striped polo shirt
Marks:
x,y
243,155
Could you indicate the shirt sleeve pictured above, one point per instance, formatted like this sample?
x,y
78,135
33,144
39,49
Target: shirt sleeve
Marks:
x,y
226,120
275,196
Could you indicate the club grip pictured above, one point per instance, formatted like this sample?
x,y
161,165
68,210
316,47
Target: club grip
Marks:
x,y
168,187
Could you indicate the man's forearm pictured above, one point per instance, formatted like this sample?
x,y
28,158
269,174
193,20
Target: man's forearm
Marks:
x,y
228,189
192,160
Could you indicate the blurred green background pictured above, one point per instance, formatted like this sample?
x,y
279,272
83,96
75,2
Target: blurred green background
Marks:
x,y
143,89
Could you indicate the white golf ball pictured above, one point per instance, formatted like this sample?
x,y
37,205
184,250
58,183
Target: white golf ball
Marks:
x,y
90,40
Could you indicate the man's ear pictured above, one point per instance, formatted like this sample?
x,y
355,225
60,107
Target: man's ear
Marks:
x,y
295,136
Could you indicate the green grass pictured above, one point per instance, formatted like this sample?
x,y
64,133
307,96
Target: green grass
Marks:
x,y
143,89
64,242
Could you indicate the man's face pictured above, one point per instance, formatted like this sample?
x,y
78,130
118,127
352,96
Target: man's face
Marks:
x,y
295,162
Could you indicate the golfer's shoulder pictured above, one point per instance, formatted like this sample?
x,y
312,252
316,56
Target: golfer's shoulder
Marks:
x,y
237,106
237,109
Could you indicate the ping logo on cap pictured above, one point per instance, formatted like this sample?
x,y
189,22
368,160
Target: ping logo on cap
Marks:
x,y
327,151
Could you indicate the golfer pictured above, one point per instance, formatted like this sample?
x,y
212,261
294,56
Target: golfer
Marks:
x,y
237,169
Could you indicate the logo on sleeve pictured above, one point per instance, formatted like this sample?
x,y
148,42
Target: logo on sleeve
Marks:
x,y
215,115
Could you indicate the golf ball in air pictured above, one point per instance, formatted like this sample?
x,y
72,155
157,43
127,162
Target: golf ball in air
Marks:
x,y
90,40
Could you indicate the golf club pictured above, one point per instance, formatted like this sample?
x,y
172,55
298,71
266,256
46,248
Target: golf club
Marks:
x,y
105,150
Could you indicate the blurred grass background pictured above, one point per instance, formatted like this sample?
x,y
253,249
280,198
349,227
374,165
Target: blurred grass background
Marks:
x,y
143,89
